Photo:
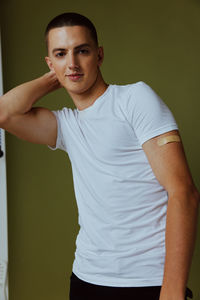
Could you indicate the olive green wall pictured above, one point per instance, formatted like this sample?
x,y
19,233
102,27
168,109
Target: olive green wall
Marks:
x,y
154,41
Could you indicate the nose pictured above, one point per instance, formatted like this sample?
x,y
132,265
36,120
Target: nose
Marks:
x,y
73,62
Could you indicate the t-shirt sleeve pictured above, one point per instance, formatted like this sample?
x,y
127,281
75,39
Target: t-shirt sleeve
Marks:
x,y
59,141
148,114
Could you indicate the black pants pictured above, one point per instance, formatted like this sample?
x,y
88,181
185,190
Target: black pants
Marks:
x,y
81,290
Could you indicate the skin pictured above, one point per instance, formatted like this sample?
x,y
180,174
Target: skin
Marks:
x,y
168,162
17,115
71,50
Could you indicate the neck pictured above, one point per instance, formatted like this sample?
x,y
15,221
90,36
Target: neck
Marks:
x,y
87,98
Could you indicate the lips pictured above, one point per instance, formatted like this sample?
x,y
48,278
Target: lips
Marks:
x,y
74,76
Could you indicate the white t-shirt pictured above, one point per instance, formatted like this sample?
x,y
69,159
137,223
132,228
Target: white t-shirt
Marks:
x,y
122,207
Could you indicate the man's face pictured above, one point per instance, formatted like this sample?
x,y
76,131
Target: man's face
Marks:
x,y
74,57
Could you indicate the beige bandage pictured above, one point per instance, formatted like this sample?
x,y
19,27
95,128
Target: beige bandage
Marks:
x,y
168,139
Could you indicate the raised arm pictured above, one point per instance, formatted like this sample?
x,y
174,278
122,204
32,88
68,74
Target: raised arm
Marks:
x,y
17,116
170,167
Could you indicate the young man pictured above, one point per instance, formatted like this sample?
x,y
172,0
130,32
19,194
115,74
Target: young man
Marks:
x,y
137,202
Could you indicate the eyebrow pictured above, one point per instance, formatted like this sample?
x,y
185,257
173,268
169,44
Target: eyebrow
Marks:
x,y
76,48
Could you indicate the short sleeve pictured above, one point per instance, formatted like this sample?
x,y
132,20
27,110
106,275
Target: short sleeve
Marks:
x,y
59,141
148,114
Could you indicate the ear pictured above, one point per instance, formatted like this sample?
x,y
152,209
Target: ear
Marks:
x,y
49,63
100,56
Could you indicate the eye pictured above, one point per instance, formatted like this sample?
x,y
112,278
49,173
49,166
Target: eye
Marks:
x,y
60,54
83,51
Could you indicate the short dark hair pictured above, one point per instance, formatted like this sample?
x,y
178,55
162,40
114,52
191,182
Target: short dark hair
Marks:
x,y
71,19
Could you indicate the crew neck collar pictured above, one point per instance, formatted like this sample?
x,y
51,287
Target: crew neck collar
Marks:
x,y
95,103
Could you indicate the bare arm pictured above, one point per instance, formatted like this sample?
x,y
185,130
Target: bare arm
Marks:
x,y
37,125
170,167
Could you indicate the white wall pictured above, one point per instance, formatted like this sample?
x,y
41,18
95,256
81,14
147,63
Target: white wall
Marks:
x,y
3,210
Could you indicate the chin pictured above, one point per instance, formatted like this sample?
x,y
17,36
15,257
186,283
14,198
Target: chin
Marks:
x,y
78,90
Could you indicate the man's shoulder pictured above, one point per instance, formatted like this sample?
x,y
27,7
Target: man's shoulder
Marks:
x,y
130,87
133,84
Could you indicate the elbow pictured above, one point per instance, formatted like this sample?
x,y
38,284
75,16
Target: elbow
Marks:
x,y
3,116
3,120
196,196
187,194
193,194
193,201
192,198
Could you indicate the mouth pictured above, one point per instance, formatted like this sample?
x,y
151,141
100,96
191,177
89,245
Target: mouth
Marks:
x,y
74,76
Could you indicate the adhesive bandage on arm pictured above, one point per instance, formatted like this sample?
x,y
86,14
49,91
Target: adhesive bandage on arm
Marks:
x,y
168,139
